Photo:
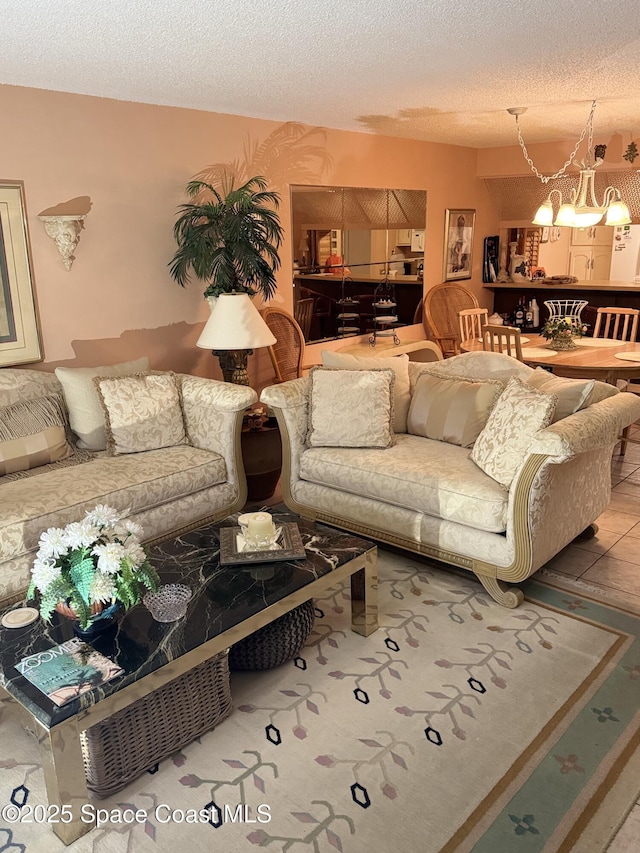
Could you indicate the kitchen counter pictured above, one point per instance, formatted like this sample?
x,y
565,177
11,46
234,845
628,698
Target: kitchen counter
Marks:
x,y
598,286
324,276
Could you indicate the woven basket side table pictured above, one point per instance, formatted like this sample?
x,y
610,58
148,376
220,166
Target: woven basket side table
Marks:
x,y
276,643
125,745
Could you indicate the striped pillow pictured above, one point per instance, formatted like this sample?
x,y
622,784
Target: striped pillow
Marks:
x,y
32,451
32,433
451,408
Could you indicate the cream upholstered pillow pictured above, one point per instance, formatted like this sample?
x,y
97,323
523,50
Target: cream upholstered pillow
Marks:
x,y
400,366
32,434
85,412
572,394
351,408
451,408
142,411
520,412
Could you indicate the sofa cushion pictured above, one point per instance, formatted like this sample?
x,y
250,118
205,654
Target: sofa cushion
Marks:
x,y
138,482
502,446
32,433
401,387
451,408
351,408
85,412
572,394
417,473
142,411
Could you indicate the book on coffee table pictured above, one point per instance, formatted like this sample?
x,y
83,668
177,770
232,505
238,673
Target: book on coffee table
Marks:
x,y
67,671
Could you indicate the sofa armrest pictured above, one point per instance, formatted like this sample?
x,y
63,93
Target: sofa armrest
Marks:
x,y
290,403
597,426
213,413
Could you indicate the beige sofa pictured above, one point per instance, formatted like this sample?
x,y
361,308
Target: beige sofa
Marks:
x,y
429,496
165,490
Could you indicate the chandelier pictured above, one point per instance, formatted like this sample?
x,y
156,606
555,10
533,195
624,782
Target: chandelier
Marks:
x,y
583,209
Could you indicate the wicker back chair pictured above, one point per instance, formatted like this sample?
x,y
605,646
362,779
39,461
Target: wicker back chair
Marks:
x,y
288,351
442,305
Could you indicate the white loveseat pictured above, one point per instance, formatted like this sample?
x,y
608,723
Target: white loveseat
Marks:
x,y
165,490
429,496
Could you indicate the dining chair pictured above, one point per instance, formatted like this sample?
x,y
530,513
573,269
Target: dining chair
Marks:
x,y
618,323
303,315
287,353
505,339
441,307
471,321
621,324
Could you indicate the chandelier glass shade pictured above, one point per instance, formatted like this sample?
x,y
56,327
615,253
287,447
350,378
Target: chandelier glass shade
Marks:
x,y
583,209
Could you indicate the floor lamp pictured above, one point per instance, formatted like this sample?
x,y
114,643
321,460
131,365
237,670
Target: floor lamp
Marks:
x,y
232,332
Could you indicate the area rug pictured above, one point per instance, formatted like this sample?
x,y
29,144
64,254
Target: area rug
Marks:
x,y
458,726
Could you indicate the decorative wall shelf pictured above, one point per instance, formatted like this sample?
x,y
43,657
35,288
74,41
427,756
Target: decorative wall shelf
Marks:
x,y
65,232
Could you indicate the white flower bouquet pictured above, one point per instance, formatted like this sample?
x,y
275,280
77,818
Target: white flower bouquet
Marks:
x,y
91,563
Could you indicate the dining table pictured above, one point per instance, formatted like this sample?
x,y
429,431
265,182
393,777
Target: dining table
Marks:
x,y
606,359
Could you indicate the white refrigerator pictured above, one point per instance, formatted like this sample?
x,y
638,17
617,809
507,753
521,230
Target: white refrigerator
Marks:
x,y
625,253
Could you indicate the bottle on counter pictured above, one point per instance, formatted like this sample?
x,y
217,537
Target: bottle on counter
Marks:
x,y
519,314
536,313
528,317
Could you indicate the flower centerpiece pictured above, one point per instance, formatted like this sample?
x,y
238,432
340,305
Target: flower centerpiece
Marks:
x,y
561,331
90,565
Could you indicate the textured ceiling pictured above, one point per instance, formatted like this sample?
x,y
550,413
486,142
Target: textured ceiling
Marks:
x,y
440,70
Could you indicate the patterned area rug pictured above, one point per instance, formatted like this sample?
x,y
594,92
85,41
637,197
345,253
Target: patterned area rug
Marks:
x,y
458,726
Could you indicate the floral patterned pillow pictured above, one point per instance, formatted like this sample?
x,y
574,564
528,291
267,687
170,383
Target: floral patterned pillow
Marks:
x,y
502,446
142,411
351,408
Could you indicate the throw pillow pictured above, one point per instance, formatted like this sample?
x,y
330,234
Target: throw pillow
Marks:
x,y
32,434
451,408
572,394
398,363
520,412
142,411
85,412
351,408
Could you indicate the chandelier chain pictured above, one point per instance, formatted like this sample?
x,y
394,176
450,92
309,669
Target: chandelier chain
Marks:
x,y
546,178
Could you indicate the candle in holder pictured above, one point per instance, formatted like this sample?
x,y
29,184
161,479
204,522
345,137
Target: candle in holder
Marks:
x,y
259,525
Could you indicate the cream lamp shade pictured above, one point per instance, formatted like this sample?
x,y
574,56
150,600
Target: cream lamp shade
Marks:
x,y
233,330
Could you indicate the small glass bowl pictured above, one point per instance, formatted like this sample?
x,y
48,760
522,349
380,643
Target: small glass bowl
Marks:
x,y
169,603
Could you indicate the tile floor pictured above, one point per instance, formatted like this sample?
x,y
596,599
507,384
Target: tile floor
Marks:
x,y
610,561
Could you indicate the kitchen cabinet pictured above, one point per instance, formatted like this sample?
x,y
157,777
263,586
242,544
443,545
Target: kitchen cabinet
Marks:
x,y
596,235
403,236
590,263
417,240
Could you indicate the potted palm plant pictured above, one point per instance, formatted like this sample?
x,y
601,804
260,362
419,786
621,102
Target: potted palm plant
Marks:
x,y
229,241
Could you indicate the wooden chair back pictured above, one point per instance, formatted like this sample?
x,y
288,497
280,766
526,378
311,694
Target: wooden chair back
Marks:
x,y
505,339
442,304
471,321
287,353
618,323
303,314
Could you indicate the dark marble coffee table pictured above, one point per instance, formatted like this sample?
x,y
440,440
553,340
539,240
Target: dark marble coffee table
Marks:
x,y
228,604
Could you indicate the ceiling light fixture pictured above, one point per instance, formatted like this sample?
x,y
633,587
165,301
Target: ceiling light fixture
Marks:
x,y
583,210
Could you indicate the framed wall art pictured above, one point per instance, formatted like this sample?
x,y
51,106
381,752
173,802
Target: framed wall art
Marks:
x,y
458,243
19,334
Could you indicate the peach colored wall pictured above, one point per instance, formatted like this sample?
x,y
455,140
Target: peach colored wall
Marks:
x,y
133,161
548,157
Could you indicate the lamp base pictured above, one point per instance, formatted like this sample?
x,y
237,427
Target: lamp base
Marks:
x,y
233,363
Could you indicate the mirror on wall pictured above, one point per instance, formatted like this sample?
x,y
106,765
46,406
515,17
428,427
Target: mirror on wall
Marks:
x,y
354,248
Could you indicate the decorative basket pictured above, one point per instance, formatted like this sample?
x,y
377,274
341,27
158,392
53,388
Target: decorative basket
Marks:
x,y
276,643
133,740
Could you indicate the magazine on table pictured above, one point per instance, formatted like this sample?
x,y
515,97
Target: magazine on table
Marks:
x,y
67,671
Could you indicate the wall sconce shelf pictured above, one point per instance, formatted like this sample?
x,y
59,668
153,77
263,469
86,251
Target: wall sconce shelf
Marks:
x,y
65,232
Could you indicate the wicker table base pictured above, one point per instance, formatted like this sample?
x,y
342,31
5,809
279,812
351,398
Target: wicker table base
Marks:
x,y
131,741
276,643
